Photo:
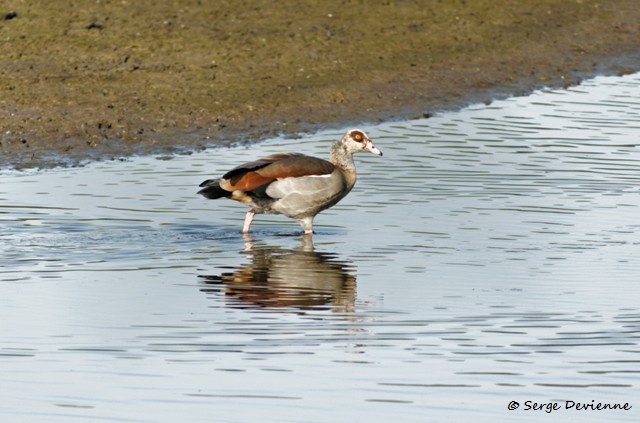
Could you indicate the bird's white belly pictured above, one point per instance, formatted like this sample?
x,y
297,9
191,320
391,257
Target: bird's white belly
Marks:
x,y
307,195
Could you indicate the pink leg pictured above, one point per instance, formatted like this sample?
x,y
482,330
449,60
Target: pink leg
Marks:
x,y
247,221
307,225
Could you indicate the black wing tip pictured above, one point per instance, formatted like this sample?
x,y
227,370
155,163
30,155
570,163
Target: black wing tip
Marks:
x,y
214,192
211,189
206,183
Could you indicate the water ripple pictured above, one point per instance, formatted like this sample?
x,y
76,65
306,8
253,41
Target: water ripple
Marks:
x,y
490,255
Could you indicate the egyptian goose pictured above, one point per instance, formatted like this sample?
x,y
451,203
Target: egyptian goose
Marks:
x,y
292,184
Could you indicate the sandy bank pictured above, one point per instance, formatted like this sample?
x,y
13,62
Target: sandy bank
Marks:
x,y
112,78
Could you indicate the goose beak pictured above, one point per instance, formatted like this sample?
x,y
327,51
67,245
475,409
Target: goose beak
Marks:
x,y
369,147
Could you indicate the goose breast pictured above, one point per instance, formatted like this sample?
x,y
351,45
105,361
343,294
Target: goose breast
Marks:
x,y
308,195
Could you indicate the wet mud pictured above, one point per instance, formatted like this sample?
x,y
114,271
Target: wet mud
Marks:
x,y
108,79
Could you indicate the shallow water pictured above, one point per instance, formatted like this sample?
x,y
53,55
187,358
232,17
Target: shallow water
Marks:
x,y
490,256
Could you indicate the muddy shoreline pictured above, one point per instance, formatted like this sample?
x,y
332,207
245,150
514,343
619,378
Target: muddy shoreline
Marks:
x,y
112,79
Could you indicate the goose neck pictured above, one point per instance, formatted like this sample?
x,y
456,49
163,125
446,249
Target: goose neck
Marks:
x,y
342,158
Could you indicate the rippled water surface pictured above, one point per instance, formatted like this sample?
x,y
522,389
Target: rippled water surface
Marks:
x,y
490,256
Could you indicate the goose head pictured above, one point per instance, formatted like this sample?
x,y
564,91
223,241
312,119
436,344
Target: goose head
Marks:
x,y
356,140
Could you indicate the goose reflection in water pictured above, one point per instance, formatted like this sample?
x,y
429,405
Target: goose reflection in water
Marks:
x,y
278,277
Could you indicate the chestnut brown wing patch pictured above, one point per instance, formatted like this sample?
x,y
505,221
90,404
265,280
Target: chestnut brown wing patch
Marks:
x,y
254,174
237,172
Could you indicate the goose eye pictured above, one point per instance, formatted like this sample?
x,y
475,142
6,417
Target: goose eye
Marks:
x,y
357,136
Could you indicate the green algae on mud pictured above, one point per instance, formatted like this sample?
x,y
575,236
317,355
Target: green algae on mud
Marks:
x,y
114,78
